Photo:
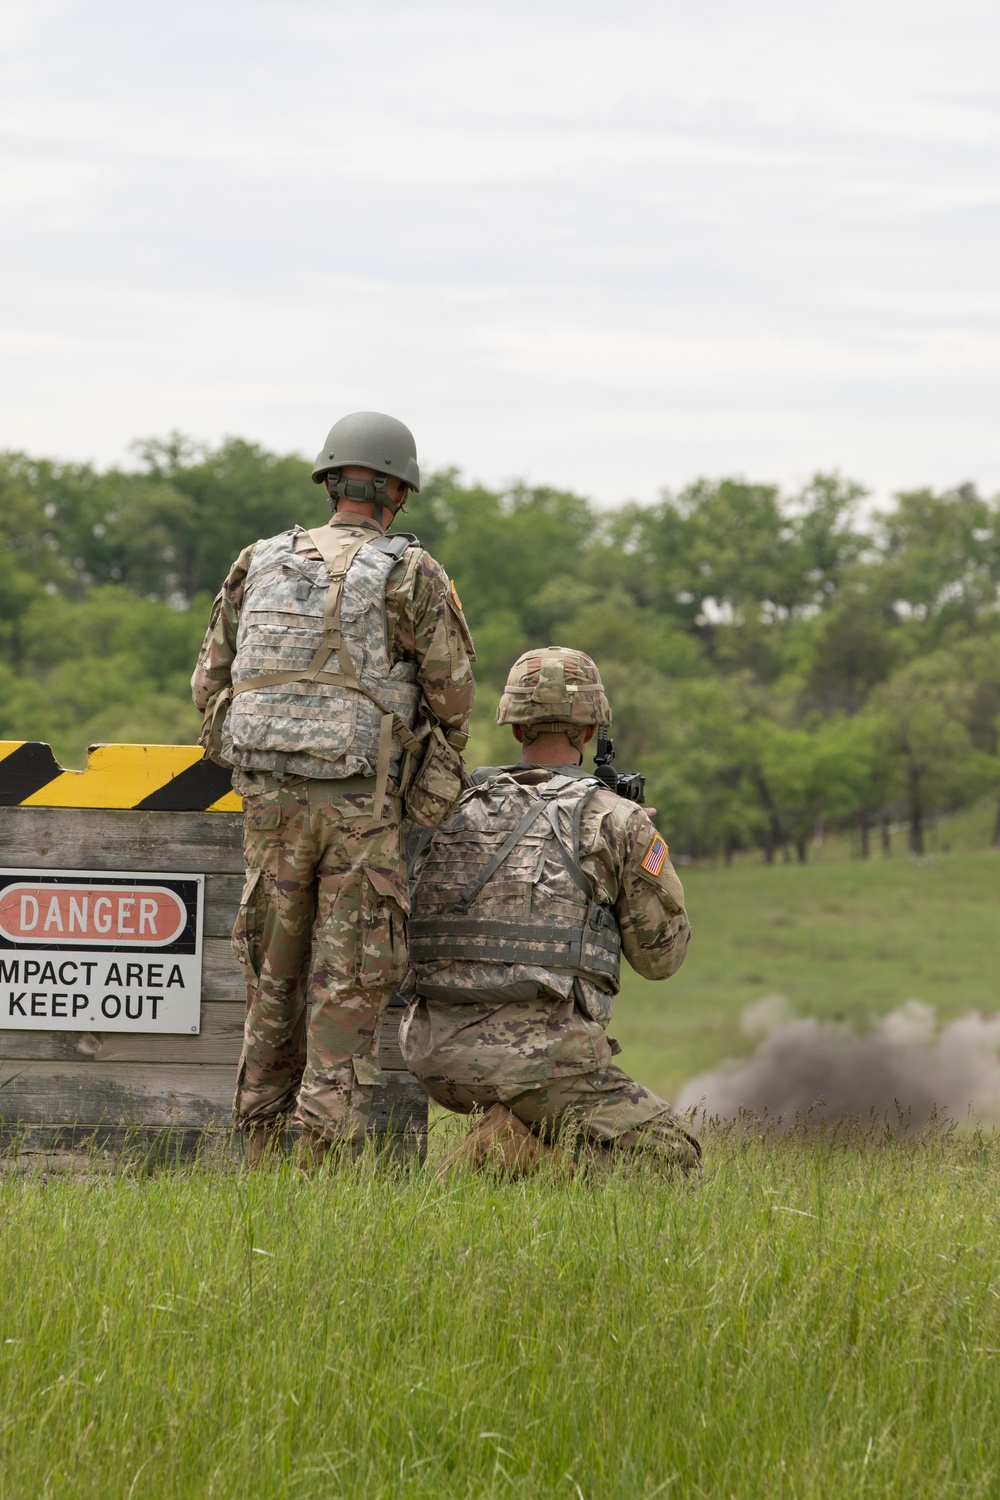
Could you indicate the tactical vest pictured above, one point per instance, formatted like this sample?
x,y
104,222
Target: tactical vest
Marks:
x,y
314,693
501,907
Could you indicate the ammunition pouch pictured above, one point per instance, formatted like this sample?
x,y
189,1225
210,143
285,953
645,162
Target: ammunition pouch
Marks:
x,y
434,778
213,721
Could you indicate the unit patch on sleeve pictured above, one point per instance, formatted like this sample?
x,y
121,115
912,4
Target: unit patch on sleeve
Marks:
x,y
655,855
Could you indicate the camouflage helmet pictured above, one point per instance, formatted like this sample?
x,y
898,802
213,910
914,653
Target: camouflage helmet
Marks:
x,y
373,441
554,686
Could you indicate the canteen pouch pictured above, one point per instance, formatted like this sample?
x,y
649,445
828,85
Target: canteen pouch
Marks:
x,y
438,779
213,721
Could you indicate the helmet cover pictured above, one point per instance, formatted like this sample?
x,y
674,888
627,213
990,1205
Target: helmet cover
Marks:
x,y
552,687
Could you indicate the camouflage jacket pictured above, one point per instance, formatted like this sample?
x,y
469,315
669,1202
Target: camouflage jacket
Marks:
x,y
524,1043
424,623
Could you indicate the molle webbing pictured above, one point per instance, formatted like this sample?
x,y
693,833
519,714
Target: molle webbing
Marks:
x,y
460,920
469,892
332,664
592,947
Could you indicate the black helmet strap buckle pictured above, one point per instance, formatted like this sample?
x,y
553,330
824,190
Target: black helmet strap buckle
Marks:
x,y
370,491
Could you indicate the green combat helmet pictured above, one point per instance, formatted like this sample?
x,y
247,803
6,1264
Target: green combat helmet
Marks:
x,y
371,440
553,689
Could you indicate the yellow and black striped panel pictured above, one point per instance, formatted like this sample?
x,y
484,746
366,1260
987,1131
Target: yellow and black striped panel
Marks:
x,y
155,778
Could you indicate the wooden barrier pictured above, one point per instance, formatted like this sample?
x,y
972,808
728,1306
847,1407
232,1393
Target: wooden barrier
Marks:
x,y
62,1089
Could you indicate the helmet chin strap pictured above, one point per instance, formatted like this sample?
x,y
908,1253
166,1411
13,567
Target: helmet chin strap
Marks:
x,y
370,491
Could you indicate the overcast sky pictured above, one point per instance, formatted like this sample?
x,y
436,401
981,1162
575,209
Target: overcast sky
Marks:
x,y
605,244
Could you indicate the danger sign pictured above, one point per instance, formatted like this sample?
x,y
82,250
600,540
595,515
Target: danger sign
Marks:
x,y
92,951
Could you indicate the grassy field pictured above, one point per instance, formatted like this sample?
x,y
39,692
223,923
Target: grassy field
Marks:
x,y
838,938
817,1319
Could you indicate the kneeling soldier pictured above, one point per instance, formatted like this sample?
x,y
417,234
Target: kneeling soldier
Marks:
x,y
521,905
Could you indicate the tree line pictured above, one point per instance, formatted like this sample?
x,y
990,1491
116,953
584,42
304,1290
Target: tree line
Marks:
x,y
777,662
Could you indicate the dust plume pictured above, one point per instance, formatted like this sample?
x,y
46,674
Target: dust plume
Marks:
x,y
905,1070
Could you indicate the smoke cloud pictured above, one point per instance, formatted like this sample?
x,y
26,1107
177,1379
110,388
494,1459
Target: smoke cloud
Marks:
x,y
905,1070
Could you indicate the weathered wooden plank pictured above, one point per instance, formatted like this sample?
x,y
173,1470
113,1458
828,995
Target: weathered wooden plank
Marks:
x,y
78,1148
88,1148
222,902
63,838
219,1042
389,1055
221,976
400,1108
86,1093
170,1094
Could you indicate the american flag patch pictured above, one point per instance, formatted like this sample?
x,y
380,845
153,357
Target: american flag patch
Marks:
x,y
655,855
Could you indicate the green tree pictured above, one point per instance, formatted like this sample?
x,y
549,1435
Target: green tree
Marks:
x,y
171,529
30,566
106,667
921,720
941,555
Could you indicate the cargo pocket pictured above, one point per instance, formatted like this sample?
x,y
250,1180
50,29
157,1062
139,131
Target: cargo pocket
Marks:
x,y
382,933
367,1071
248,929
262,813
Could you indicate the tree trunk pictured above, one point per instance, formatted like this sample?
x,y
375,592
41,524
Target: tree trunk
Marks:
x,y
776,836
996,829
885,832
916,813
864,829
801,851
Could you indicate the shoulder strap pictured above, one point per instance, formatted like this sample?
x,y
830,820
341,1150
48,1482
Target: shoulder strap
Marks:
x,y
469,892
337,548
574,869
396,544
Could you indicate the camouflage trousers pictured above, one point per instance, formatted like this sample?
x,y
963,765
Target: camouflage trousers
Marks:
x,y
602,1111
321,939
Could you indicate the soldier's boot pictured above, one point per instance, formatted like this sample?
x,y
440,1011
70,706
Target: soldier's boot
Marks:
x,y
265,1143
661,1144
502,1144
315,1152
311,1152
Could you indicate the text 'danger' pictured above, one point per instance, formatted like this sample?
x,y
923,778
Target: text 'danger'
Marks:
x,y
115,915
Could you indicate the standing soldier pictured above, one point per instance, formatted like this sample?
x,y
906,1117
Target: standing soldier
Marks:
x,y
521,905
336,679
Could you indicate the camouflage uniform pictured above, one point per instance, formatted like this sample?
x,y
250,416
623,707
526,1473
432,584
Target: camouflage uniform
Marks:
x,y
546,1060
325,882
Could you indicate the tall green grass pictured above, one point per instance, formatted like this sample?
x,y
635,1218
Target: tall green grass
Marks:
x,y
819,1318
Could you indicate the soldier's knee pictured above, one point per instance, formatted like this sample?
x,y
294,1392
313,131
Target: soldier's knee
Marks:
x,y
450,1095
